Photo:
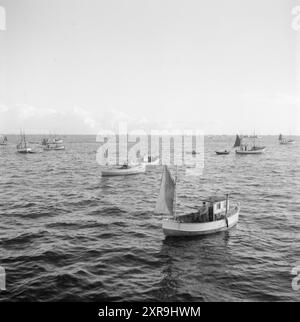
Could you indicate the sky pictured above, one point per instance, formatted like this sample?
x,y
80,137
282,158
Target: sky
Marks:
x,y
78,67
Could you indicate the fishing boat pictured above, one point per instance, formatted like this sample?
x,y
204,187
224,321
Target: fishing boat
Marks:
x,y
285,141
3,140
214,214
225,152
22,146
52,140
124,170
54,147
194,152
244,149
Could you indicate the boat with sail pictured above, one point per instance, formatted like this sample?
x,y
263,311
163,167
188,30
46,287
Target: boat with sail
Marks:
x,y
54,147
124,170
245,149
3,140
22,146
285,141
52,144
213,215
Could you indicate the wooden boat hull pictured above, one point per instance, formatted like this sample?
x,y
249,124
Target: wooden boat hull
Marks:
x,y
260,151
173,228
55,149
222,152
123,172
287,142
24,151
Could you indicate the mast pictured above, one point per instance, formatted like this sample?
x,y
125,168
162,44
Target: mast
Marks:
x,y
226,212
175,193
127,147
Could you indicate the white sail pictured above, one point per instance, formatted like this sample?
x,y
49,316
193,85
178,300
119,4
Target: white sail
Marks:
x,y
164,204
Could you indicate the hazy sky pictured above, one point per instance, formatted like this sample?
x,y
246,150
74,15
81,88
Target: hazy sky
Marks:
x,y
70,66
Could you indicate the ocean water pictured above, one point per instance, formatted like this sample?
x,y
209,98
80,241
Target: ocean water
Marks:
x,y
68,234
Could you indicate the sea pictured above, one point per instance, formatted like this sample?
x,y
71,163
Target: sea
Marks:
x,y
68,234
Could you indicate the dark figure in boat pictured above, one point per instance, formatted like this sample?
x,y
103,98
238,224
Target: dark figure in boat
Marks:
x,y
124,166
212,209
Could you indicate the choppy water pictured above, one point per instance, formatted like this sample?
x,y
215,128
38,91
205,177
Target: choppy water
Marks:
x,y
68,234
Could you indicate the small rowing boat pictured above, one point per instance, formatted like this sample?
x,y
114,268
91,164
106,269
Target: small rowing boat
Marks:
x,y
225,152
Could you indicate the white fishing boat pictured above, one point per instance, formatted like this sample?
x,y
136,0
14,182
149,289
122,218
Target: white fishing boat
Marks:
x,y
3,140
245,149
123,170
53,147
285,141
214,215
22,146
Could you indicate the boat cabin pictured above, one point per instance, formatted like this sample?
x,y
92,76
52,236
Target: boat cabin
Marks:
x,y
214,206
212,209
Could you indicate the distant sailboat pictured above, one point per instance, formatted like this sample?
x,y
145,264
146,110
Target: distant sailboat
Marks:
x,y
52,144
285,141
213,216
124,170
238,141
244,149
22,146
3,140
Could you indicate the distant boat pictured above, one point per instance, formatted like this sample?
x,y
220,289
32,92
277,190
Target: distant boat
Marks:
x,y
3,140
124,170
285,141
214,214
225,152
54,147
52,140
52,144
244,148
252,136
191,152
22,146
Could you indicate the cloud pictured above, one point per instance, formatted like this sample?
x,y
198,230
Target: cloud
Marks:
x,y
274,98
26,112
86,116
3,108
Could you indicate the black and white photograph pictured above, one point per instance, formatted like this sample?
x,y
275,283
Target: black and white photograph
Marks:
x,y
149,152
